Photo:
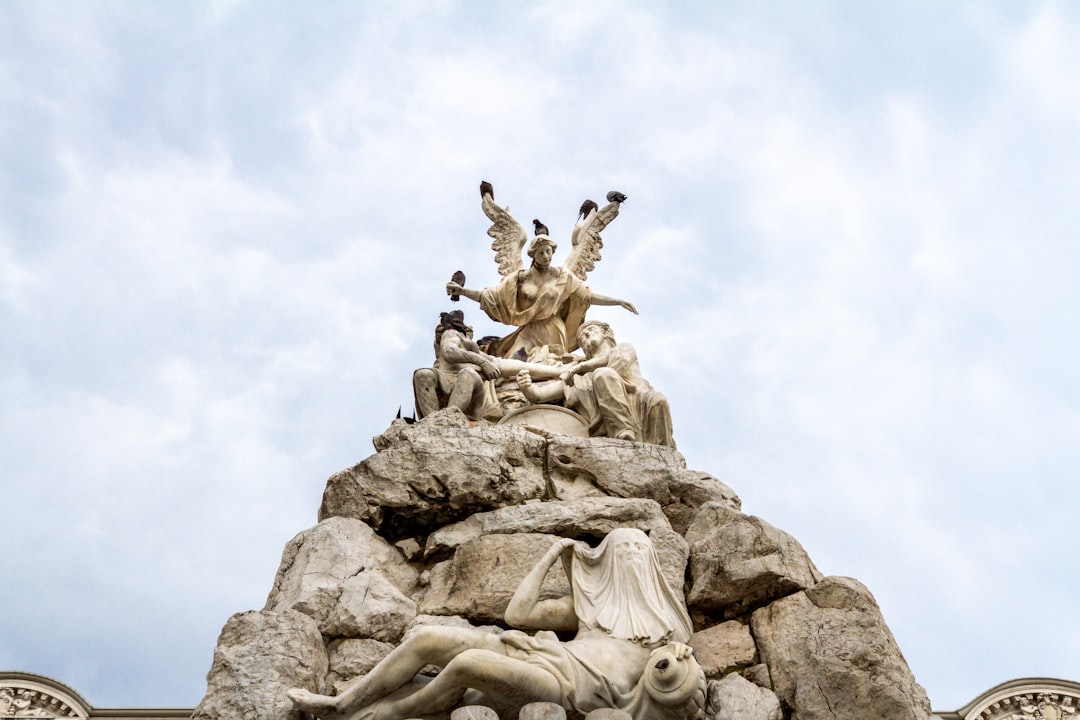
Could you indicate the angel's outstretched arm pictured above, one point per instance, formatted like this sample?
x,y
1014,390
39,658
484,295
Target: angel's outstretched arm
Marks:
x,y
598,299
452,288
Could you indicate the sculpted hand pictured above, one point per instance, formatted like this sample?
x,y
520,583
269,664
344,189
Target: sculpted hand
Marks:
x,y
488,370
628,306
453,288
524,380
681,651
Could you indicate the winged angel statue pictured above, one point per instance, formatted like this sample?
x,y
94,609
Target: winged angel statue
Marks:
x,y
545,303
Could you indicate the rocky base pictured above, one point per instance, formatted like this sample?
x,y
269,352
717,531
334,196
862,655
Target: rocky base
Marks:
x,y
442,523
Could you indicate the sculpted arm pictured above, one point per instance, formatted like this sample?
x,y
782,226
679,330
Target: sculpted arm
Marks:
x,y
598,299
452,288
528,612
593,363
455,349
543,393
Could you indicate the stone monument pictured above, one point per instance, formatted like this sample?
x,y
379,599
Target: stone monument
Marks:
x,y
475,568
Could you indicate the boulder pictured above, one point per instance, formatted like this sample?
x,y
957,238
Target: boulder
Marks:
x,y
735,698
348,579
627,469
592,517
350,659
830,655
437,471
724,648
478,582
260,655
740,562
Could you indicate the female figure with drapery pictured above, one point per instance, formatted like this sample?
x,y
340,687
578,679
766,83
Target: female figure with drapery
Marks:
x,y
629,652
546,303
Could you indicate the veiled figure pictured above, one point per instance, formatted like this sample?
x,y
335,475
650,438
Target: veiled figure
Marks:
x,y
546,303
628,653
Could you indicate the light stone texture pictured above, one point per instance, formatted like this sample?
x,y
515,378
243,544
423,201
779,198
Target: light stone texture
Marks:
x,y
625,469
831,656
740,562
592,517
735,698
437,471
484,573
348,579
350,659
724,648
541,711
259,655
672,552
759,675
474,712
608,714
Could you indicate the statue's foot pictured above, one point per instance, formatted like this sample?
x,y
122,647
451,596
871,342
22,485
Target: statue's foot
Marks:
x,y
319,705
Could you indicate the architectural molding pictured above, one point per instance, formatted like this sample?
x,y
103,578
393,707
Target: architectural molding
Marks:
x,y
26,695
1023,699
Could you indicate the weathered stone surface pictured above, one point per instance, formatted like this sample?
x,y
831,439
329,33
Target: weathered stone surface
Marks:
x,y
260,655
484,573
759,675
592,517
474,712
672,553
435,472
348,579
542,711
449,621
831,656
735,698
608,714
627,469
724,648
350,658
740,562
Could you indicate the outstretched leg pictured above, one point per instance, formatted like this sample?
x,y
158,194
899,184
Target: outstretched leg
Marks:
x,y
433,644
509,681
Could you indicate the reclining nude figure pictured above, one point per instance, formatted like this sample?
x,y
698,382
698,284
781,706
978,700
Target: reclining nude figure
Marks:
x,y
628,653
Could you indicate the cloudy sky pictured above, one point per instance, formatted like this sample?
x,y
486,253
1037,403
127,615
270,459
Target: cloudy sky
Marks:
x,y
852,234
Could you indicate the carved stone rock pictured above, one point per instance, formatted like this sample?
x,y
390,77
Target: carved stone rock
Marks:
x,y
587,517
735,698
542,711
350,658
435,472
625,469
831,656
259,655
724,648
740,562
348,579
479,581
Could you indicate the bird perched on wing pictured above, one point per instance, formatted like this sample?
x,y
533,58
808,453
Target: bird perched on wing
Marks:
x,y
616,196
539,228
587,207
486,189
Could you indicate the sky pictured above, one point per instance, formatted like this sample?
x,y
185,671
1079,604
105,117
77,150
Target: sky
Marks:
x,y
226,226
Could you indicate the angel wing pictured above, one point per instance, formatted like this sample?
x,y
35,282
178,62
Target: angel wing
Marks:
x,y
508,236
585,239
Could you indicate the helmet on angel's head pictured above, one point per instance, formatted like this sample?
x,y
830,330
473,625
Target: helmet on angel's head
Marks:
x,y
540,241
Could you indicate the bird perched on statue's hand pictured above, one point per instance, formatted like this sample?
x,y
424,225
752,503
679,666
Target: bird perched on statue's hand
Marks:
x,y
587,207
539,227
459,278
486,189
616,196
